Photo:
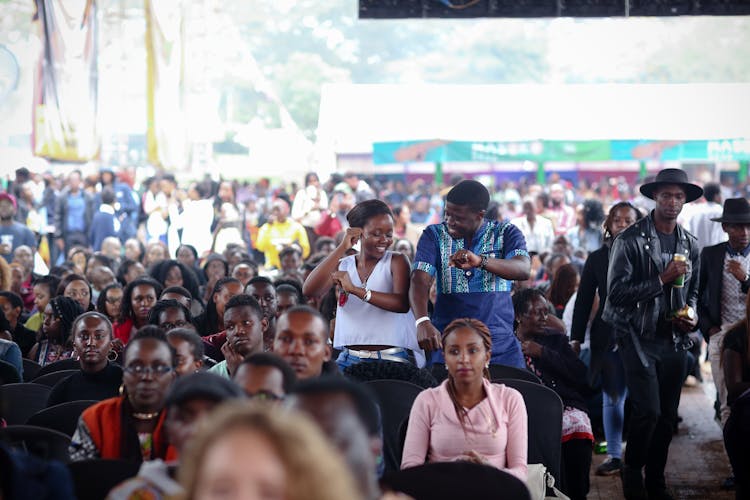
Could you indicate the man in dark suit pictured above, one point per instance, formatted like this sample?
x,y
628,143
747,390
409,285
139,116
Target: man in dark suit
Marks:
x,y
724,283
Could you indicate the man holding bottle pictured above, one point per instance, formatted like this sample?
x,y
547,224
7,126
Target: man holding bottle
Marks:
x,y
652,285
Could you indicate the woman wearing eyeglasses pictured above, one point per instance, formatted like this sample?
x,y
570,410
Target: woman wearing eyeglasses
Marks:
x,y
109,302
131,426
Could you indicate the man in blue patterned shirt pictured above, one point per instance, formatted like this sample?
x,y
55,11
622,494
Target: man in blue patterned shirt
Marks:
x,y
474,262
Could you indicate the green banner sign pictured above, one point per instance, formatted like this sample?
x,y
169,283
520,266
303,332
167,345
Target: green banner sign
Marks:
x,y
440,151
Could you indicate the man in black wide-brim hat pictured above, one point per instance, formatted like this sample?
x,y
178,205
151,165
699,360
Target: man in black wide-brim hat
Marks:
x,y
652,285
724,282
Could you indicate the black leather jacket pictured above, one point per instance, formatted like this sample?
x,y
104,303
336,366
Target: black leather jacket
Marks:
x,y
635,294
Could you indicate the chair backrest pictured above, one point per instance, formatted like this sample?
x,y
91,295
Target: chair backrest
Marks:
x,y
52,378
503,372
94,479
62,418
38,441
20,401
63,364
30,369
544,410
8,374
395,398
439,371
457,480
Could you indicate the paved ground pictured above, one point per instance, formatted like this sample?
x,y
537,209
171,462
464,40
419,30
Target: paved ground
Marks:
x,y
697,462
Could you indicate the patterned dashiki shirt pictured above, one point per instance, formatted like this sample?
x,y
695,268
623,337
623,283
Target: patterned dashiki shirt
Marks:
x,y
474,293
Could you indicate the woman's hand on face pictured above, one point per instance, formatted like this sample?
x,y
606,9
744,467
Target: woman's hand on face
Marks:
x,y
352,236
531,348
343,281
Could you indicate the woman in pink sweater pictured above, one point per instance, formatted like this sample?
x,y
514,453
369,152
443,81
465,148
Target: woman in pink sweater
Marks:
x,y
467,417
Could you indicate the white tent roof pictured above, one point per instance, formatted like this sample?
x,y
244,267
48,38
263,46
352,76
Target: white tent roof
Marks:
x,y
352,117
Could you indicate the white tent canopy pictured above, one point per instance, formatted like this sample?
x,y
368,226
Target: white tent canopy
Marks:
x,y
352,117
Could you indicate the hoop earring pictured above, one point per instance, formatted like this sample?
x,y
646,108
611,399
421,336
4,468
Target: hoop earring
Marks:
x,y
112,355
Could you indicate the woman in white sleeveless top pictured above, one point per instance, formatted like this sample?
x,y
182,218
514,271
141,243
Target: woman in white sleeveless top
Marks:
x,y
373,319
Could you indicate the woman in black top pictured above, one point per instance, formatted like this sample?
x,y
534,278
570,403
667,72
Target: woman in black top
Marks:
x,y
99,378
605,359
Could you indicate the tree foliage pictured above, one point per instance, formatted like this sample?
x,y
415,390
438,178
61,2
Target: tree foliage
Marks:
x,y
261,53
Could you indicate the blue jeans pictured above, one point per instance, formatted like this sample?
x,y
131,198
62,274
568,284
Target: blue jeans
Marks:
x,y
347,359
614,392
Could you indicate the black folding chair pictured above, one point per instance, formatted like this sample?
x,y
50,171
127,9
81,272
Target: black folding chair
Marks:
x,y
63,364
395,398
544,410
30,369
439,371
8,374
62,418
52,378
94,479
38,441
457,480
502,371
21,401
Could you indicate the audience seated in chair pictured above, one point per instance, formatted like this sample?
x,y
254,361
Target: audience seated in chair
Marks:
x,y
56,342
265,376
290,458
244,322
131,426
348,416
302,341
98,378
549,355
189,348
190,401
467,417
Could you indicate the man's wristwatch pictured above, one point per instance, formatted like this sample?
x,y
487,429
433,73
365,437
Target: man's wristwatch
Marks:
x,y
483,264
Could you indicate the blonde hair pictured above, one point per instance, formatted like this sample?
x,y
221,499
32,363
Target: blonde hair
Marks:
x,y
315,469
4,274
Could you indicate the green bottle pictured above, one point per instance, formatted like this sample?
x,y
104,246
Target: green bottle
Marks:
x,y
600,448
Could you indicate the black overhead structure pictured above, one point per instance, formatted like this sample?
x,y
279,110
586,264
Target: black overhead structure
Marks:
x,y
389,9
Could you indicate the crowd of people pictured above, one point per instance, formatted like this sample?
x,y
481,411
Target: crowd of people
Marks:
x,y
180,303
